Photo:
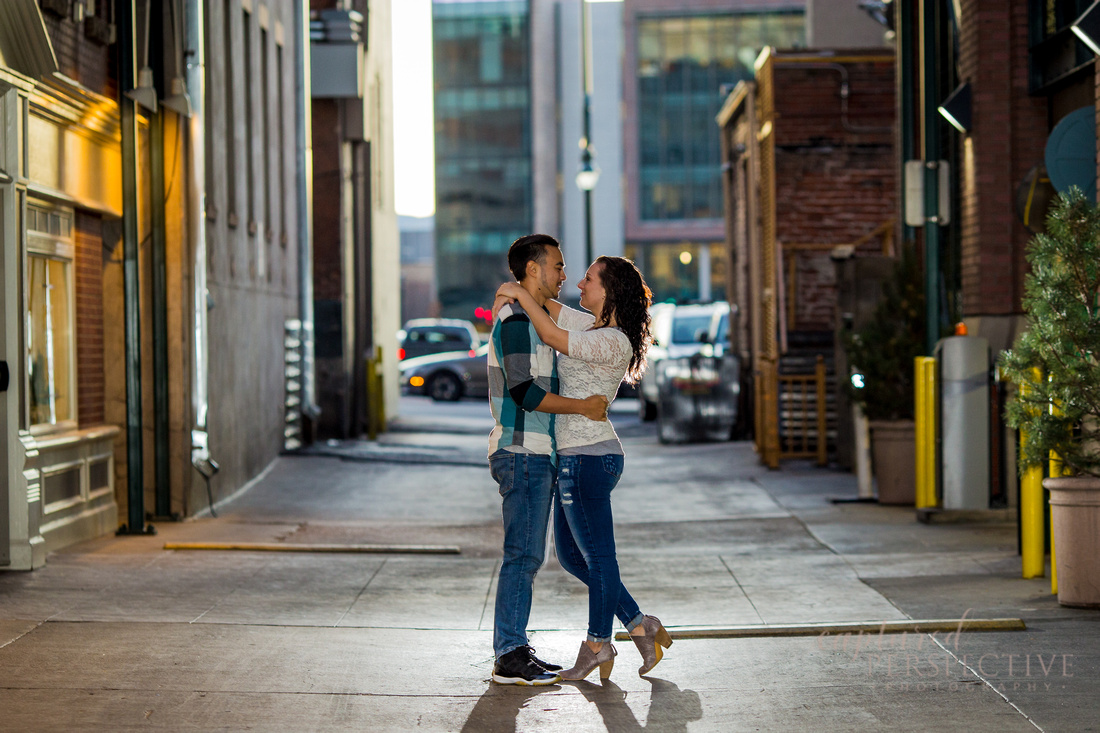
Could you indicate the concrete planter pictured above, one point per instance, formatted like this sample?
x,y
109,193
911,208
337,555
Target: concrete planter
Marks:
x,y
1075,510
893,449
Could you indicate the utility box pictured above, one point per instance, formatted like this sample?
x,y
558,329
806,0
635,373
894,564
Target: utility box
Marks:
x,y
964,422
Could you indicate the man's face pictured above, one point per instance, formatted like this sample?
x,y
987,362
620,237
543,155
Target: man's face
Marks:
x,y
551,273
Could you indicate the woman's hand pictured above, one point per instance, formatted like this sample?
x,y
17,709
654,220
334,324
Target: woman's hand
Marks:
x,y
511,290
499,303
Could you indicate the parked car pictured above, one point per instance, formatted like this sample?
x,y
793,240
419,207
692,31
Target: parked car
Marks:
x,y
680,331
447,377
422,336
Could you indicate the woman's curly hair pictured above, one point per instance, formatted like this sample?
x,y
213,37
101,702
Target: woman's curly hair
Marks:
x,y
627,299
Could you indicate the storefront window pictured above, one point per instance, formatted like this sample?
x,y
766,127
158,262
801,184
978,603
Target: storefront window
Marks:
x,y
50,335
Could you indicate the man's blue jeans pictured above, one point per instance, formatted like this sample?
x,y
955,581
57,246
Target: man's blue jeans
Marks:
x,y
584,534
526,488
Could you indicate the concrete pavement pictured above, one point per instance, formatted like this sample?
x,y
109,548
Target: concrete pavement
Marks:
x,y
120,634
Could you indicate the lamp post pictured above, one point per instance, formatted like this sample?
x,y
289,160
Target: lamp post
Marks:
x,y
589,173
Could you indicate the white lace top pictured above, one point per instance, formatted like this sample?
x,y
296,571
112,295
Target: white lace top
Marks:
x,y
596,364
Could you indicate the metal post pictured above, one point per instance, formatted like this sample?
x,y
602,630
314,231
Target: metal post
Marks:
x,y
160,318
586,140
1032,532
930,122
130,272
304,209
822,424
906,40
925,413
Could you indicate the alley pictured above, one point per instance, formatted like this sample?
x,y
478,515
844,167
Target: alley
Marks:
x,y
122,634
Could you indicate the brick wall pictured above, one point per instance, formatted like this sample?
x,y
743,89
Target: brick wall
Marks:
x,y
1007,138
835,173
88,282
80,58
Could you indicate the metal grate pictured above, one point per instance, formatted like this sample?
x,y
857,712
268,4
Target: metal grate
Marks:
x,y
292,371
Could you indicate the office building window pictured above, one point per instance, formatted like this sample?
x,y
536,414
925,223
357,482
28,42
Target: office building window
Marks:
x,y
484,198
683,63
51,338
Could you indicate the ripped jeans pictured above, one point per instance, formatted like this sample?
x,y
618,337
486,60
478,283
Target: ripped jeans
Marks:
x,y
585,537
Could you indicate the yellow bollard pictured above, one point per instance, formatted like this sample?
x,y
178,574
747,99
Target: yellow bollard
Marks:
x,y
924,375
1031,515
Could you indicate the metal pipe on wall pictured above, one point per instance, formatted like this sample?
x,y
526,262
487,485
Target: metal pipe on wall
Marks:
x,y
161,488
195,57
930,99
130,271
304,171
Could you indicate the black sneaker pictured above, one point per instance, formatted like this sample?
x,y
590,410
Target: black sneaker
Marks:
x,y
545,665
517,667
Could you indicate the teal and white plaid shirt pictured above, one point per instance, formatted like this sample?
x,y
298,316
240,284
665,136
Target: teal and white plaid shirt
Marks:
x,y
522,370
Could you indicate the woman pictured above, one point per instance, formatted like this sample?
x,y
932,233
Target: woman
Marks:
x,y
597,350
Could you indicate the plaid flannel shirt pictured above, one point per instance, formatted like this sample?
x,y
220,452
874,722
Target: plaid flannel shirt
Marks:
x,y
522,370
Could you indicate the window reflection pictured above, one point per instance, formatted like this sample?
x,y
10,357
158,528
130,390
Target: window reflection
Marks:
x,y
49,341
484,196
682,64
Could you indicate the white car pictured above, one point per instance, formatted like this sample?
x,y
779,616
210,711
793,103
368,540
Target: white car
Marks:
x,y
679,331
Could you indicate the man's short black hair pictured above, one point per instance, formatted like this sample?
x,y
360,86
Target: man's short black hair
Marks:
x,y
531,248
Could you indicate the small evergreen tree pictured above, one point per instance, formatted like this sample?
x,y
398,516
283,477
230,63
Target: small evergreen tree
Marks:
x,y
1062,342
884,349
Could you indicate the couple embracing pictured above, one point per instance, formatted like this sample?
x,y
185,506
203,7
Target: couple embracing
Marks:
x,y
553,371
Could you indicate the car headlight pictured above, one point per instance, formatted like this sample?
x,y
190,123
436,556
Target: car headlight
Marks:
x,y
416,381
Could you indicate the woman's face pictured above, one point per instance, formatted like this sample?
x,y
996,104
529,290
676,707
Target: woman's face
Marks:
x,y
591,287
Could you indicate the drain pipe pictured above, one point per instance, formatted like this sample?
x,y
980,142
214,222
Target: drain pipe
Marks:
x,y
303,119
195,56
131,284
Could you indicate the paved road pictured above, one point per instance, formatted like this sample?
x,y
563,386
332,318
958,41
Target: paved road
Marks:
x,y
122,634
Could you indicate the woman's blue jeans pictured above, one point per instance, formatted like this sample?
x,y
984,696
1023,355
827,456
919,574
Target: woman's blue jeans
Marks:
x,y
585,537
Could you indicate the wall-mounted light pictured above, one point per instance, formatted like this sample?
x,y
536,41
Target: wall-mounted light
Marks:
x,y
956,108
145,92
1087,27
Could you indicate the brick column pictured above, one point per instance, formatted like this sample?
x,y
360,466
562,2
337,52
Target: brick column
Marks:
x,y
1006,139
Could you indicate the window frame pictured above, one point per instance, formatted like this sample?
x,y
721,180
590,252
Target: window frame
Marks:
x,y
60,247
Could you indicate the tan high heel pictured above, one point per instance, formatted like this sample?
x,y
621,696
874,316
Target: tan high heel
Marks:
x,y
588,660
649,644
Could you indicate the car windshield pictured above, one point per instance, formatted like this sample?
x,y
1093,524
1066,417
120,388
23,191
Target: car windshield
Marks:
x,y
438,335
685,329
723,335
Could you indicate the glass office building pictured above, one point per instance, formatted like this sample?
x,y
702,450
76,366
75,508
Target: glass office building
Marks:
x,y
684,65
482,146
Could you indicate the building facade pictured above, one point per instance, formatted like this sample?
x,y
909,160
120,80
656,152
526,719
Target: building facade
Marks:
x,y
356,253
680,58
157,260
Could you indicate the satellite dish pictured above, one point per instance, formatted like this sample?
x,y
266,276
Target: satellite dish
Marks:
x,y
1071,152
1033,197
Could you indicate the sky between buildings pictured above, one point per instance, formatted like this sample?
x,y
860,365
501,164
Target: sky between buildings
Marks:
x,y
413,139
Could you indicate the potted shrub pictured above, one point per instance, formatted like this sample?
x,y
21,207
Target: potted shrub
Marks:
x,y
1060,411
882,353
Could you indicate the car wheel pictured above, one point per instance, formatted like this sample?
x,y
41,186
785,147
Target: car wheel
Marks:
x,y
445,387
647,411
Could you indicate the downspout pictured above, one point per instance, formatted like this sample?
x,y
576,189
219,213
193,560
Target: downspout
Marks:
x,y
161,489
304,165
135,489
195,56
930,99
906,39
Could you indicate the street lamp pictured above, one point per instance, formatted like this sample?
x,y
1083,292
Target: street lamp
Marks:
x,y
589,174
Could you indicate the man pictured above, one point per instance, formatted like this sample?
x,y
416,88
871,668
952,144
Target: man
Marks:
x,y
523,386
